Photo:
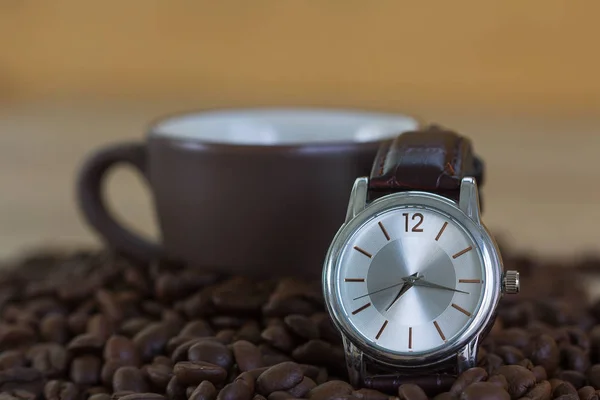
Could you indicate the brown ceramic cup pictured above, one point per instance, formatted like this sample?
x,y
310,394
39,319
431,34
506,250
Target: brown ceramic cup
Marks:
x,y
244,191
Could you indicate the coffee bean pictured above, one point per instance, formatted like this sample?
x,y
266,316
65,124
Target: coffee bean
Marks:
x,y
330,390
15,336
12,359
122,349
587,393
108,371
53,328
175,390
540,373
594,375
181,351
99,325
318,352
575,378
197,328
85,370
272,356
90,391
133,326
302,388
577,337
159,375
108,305
28,379
280,395
152,340
236,390
517,316
520,379
278,337
498,380
197,305
484,391
221,322
225,336
258,397
247,356
563,388
542,350
194,372
77,322
49,358
510,354
143,396
60,390
371,394
238,295
302,326
410,391
467,378
541,391
85,344
517,337
250,332
282,376
211,352
204,391
172,319
120,394
17,394
129,378
573,358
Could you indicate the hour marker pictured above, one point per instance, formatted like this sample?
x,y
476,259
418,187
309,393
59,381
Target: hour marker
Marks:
x,y
366,253
441,231
460,253
387,236
410,337
439,331
354,280
462,310
360,309
469,281
381,329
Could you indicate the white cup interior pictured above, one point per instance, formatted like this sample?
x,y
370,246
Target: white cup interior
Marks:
x,y
284,126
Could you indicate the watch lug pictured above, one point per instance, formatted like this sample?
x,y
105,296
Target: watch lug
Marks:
x,y
467,356
468,201
354,362
358,197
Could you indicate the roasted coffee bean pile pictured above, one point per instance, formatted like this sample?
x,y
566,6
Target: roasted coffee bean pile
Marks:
x,y
94,326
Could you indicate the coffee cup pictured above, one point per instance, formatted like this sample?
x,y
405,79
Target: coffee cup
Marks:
x,y
250,191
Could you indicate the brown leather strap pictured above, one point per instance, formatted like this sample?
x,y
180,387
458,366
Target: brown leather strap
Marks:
x,y
432,159
431,384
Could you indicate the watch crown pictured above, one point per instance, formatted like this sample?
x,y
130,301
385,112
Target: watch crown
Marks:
x,y
510,282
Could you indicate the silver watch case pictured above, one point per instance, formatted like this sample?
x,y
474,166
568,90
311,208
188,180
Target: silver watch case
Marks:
x,y
467,214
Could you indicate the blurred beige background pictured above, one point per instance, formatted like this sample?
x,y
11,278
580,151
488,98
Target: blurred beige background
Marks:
x,y
520,78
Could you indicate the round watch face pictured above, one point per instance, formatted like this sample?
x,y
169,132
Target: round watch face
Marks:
x,y
410,280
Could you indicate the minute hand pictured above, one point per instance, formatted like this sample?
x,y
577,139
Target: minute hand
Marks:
x,y
423,283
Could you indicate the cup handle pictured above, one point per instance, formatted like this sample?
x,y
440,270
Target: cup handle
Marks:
x,y
90,186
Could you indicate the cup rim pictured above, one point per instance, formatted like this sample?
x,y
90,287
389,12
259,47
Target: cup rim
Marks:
x,y
159,128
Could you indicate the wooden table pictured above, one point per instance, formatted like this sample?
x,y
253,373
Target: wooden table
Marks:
x,y
541,194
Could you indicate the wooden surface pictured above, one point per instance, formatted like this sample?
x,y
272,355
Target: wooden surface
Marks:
x,y
534,55
542,187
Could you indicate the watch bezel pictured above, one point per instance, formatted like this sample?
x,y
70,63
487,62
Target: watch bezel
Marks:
x,y
492,284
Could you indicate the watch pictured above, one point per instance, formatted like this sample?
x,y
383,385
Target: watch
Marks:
x,y
413,278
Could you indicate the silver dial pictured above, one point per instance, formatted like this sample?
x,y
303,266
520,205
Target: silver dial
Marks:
x,y
410,280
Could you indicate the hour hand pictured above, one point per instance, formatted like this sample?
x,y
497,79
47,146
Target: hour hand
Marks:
x,y
402,290
428,284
